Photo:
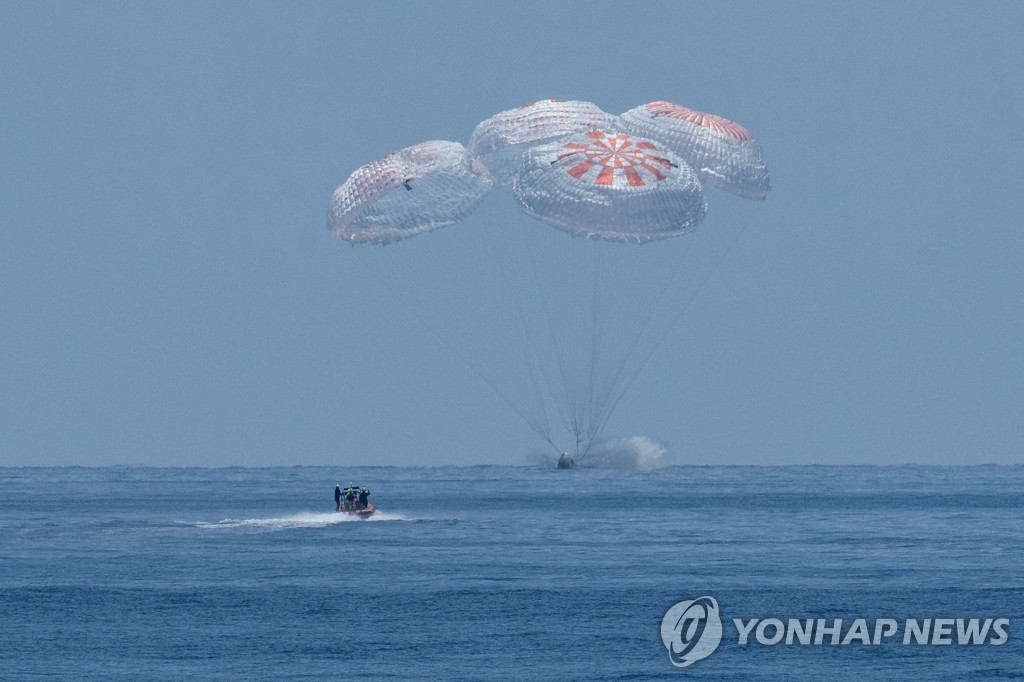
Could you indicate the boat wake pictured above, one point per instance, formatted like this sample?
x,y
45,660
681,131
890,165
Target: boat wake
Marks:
x,y
301,520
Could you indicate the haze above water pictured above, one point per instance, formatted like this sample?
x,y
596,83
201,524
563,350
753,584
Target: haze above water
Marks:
x,y
169,293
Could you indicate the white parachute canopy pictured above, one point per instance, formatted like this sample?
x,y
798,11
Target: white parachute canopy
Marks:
x,y
723,153
413,190
499,142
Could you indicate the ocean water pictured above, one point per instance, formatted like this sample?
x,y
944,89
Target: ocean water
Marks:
x,y
489,572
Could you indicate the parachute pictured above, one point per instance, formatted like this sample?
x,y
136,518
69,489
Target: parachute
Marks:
x,y
499,142
413,190
723,153
611,187
576,310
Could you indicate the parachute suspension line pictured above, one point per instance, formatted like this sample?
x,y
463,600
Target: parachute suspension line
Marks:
x,y
716,262
608,331
550,348
617,391
596,280
595,326
503,250
533,364
622,263
605,287
609,278
561,405
590,280
520,246
578,353
626,372
458,353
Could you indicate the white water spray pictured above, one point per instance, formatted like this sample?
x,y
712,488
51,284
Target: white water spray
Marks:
x,y
635,453
300,520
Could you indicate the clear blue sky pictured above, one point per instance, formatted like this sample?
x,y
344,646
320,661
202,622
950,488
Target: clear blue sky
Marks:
x,y
169,293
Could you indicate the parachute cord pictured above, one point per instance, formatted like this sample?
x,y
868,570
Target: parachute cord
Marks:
x,y
586,451
606,289
594,338
535,369
675,320
575,354
627,373
561,406
536,343
612,394
612,292
536,429
599,291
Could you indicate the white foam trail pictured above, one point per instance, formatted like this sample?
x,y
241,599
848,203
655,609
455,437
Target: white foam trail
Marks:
x,y
301,520
638,453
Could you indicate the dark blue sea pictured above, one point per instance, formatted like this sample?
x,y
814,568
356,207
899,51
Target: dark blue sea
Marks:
x,y
505,573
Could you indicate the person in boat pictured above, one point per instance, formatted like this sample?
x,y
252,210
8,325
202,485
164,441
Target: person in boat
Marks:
x,y
363,494
337,497
350,498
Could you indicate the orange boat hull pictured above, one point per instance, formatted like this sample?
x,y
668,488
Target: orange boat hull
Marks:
x,y
361,513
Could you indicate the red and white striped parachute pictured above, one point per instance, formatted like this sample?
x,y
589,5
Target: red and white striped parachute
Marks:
x,y
723,153
611,187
